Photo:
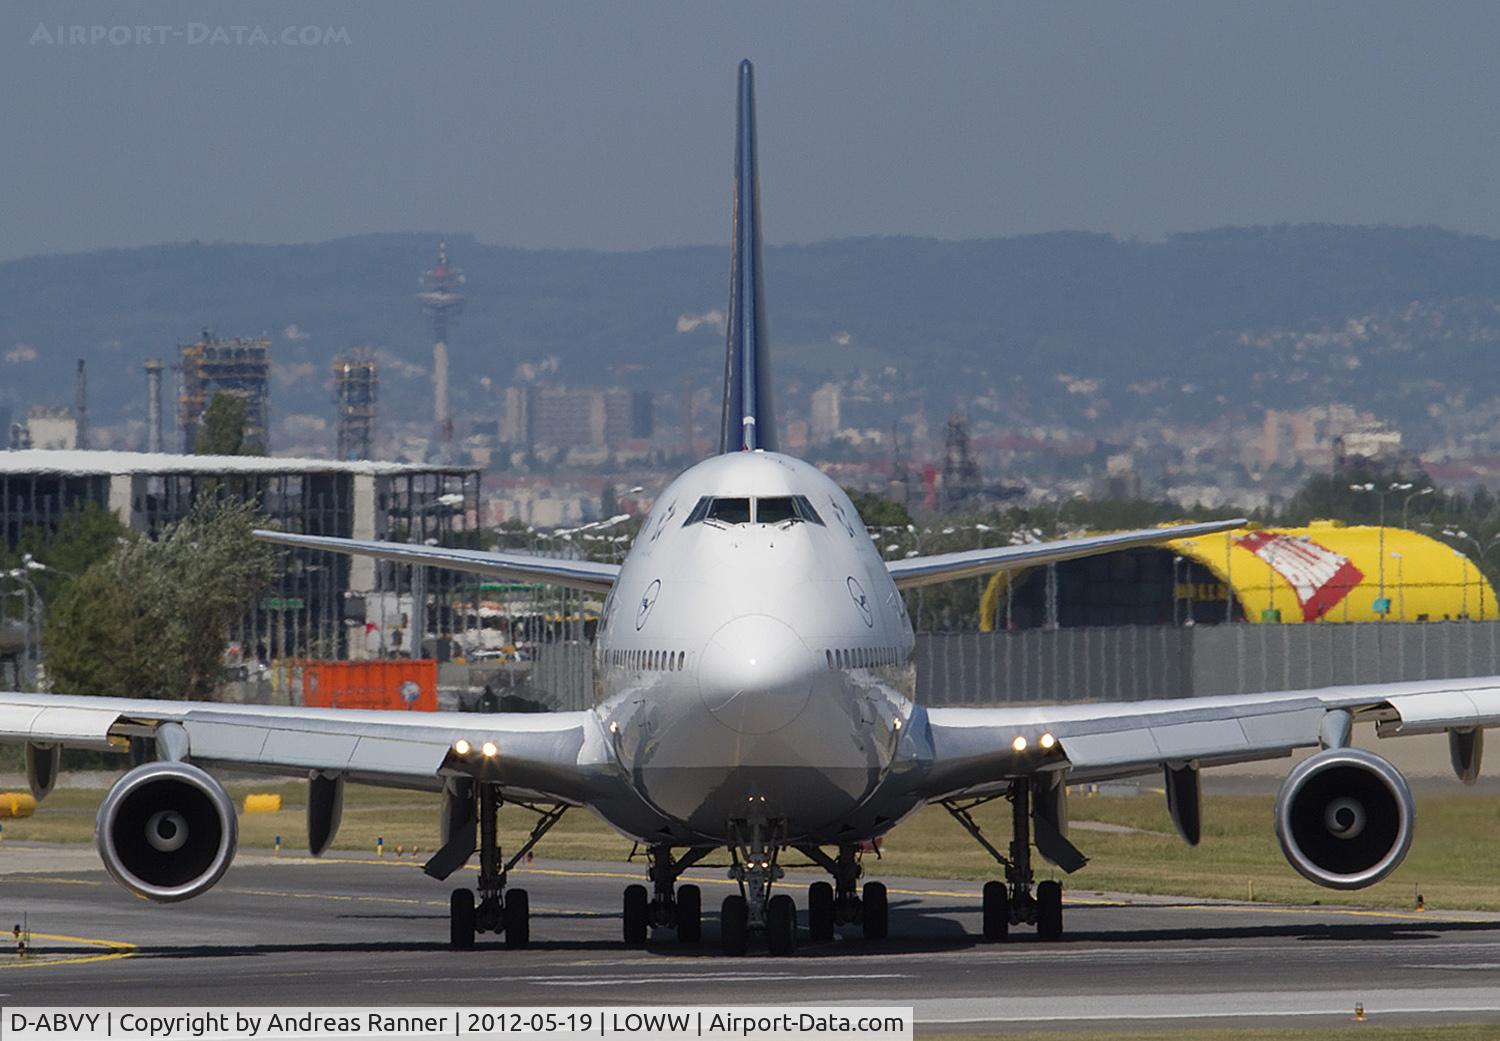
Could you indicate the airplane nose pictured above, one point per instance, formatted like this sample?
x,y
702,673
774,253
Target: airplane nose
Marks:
x,y
755,675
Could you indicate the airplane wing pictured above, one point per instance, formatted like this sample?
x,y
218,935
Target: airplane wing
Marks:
x,y
967,749
945,567
575,574
558,756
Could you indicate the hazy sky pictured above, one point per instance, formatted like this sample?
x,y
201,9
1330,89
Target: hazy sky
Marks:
x,y
608,125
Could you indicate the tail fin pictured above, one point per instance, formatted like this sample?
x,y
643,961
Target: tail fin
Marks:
x,y
748,422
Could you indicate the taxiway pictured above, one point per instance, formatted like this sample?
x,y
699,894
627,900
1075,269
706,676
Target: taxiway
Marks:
x,y
346,929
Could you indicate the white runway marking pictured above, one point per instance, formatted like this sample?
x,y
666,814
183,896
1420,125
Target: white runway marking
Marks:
x,y
1377,1001
748,976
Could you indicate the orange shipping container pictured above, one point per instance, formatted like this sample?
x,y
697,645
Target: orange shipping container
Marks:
x,y
401,684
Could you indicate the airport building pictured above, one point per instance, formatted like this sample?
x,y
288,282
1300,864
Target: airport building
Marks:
x,y
1279,576
323,605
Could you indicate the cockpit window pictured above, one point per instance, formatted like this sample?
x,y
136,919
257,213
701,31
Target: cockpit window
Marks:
x,y
699,511
775,510
729,511
805,510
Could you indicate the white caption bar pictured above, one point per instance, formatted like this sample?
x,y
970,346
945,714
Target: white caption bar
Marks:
x,y
559,1022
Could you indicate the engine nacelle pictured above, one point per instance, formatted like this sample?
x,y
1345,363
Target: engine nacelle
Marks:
x,y
1344,818
166,831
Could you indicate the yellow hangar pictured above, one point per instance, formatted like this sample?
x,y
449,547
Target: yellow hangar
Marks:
x,y
1325,572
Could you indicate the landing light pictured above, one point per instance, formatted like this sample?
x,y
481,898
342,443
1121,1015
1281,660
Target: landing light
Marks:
x,y
1019,744
462,747
1047,741
489,749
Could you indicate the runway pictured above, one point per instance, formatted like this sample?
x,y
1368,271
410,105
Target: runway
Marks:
x,y
356,930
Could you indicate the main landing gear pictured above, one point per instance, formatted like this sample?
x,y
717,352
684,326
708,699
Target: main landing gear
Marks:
x,y
496,909
668,906
1013,901
841,902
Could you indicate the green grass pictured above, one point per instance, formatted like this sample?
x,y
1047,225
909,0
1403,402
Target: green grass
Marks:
x,y
1452,861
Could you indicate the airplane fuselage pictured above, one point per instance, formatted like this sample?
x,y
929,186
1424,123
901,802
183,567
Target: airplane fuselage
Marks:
x,y
754,658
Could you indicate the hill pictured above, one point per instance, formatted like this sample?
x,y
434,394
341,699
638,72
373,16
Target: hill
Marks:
x,y
1069,327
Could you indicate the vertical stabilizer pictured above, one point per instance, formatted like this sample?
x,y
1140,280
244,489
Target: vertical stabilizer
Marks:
x,y
749,422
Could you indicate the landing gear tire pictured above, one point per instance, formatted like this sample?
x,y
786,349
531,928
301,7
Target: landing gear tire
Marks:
x,y
516,916
996,911
689,914
875,912
734,926
461,919
820,912
637,915
781,926
1049,922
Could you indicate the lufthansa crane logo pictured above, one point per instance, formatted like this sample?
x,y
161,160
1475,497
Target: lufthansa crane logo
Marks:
x,y
648,601
861,601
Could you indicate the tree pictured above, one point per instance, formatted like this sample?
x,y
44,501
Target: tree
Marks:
x,y
878,512
153,618
83,535
221,429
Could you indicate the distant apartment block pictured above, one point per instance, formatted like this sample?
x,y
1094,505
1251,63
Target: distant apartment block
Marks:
x,y
562,417
826,419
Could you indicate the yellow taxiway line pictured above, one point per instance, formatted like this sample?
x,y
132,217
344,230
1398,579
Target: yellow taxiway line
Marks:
x,y
115,950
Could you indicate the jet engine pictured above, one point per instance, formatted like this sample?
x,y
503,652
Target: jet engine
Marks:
x,y
166,831
1344,818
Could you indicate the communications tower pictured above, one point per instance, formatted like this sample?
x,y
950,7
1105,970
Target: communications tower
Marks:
x,y
441,300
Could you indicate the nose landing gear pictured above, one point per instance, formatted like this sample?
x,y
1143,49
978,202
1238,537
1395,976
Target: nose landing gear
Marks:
x,y
756,846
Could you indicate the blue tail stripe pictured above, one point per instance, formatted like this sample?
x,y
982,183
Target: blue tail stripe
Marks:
x,y
748,421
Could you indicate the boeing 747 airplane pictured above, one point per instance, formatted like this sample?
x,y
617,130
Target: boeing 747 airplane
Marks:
x,y
754,691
